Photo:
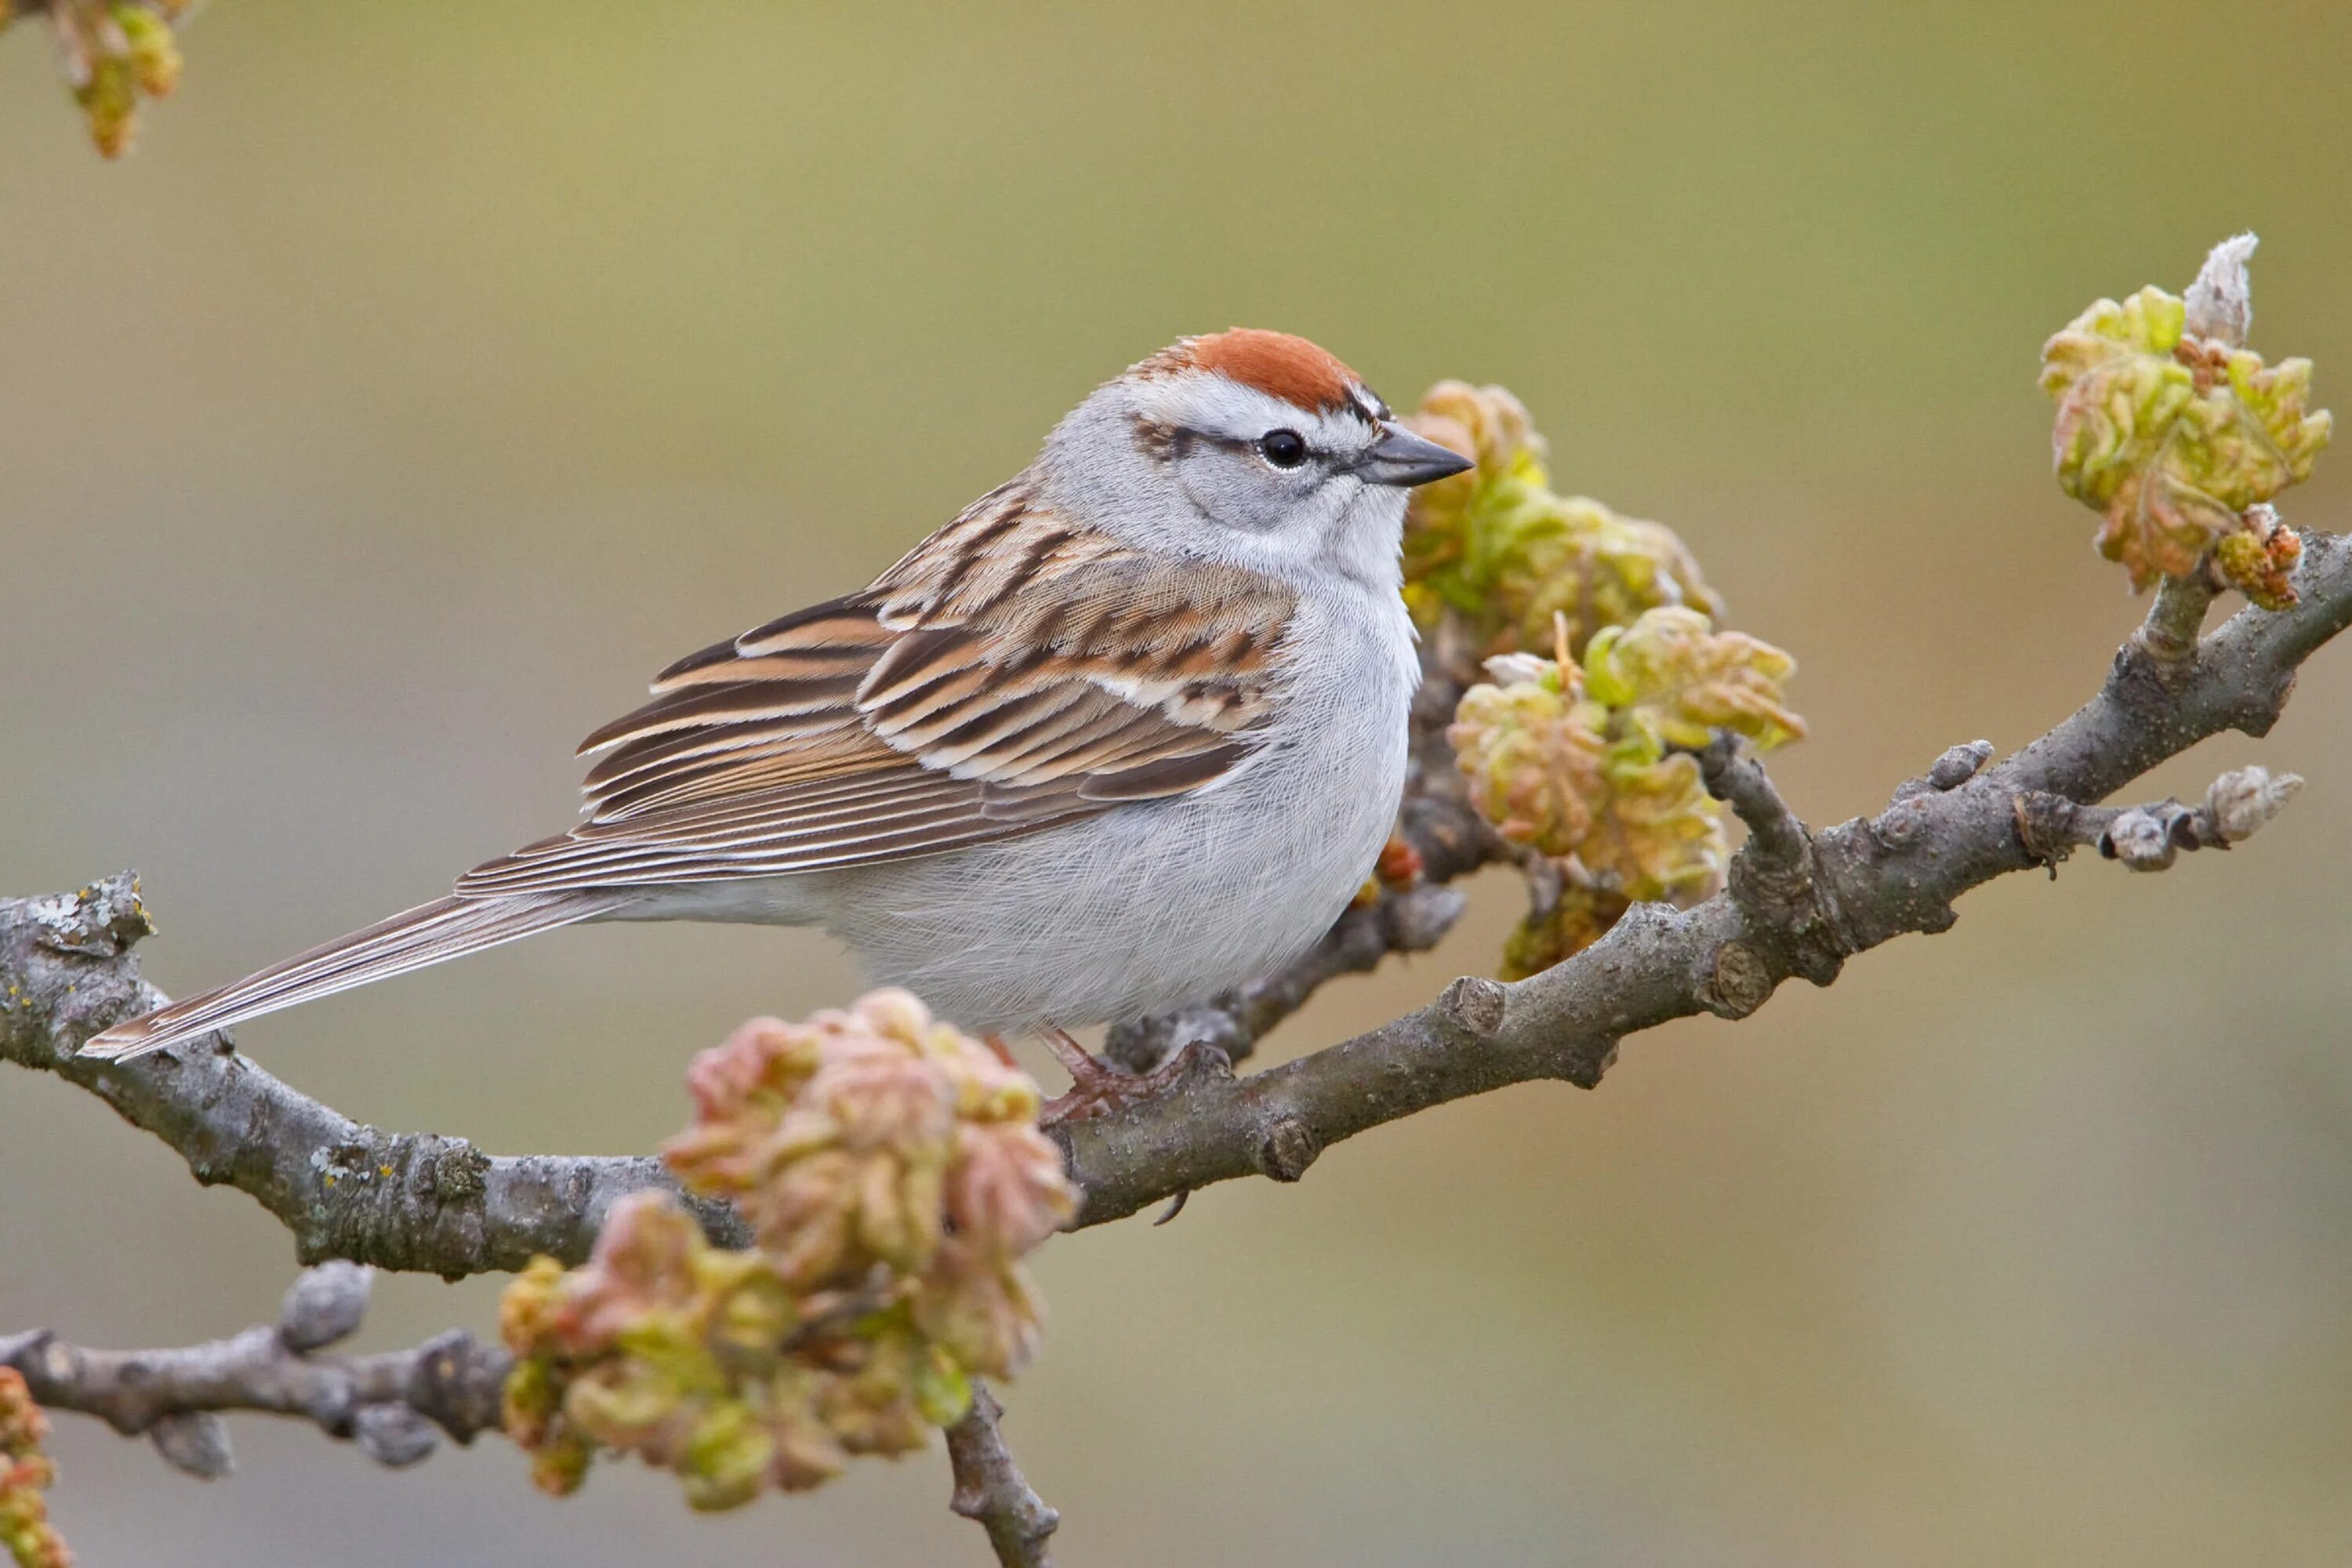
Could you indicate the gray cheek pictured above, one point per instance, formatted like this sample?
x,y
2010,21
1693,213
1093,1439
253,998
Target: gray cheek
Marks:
x,y
1237,491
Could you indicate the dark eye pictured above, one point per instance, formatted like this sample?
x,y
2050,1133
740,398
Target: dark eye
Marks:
x,y
1283,448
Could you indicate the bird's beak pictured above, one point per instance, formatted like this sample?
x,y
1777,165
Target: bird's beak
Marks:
x,y
1405,458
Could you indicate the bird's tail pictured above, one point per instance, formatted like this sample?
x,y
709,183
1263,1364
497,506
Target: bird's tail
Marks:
x,y
443,929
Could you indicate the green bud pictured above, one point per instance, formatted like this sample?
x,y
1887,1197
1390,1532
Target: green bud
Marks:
x,y
1661,837
109,99
559,1466
942,1391
1577,919
727,1457
1530,751
1498,548
1676,679
155,54
2259,559
1573,761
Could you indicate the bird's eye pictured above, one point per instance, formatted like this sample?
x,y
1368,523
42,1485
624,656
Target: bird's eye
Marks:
x,y
1283,448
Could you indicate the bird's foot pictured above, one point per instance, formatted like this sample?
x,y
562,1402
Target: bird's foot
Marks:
x,y
1098,1089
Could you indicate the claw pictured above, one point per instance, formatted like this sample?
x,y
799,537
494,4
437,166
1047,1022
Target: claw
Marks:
x,y
1098,1089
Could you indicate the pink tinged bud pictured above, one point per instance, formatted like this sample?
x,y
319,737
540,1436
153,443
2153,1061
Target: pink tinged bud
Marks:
x,y
2221,304
893,1014
2240,801
1007,1191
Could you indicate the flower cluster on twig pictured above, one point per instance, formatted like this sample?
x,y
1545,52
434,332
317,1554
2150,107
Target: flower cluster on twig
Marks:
x,y
893,1175
1581,757
2178,434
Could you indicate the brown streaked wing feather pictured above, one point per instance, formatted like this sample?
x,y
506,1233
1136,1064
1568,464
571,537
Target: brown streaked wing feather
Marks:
x,y
1011,673
842,629
766,833
1163,775
719,705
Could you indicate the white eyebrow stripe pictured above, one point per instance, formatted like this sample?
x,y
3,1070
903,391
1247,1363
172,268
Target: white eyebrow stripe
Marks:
x,y
1215,407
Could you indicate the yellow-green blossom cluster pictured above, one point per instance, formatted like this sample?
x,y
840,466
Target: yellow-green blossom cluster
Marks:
x,y
26,1472
1578,762
115,53
1676,680
1581,756
1496,546
2174,439
893,1174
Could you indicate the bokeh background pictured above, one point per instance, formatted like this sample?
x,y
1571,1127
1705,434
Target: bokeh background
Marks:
x,y
434,373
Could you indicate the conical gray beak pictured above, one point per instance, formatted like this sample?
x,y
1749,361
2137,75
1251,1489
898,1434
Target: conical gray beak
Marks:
x,y
1405,458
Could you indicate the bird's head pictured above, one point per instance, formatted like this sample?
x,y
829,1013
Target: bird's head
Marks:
x,y
1253,447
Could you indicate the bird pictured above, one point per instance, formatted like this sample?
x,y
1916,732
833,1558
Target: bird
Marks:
x,y
1128,731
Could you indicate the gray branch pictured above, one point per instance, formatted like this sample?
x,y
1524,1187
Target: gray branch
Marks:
x,y
2149,837
395,1404
407,1201
389,1404
989,1487
1799,903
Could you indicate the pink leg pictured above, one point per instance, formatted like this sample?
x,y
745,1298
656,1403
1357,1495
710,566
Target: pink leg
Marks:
x,y
1098,1089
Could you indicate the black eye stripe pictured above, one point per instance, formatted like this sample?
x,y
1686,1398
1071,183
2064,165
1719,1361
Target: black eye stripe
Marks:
x,y
1184,437
1187,437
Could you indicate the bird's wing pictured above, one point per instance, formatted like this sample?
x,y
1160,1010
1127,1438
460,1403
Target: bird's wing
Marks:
x,y
1011,673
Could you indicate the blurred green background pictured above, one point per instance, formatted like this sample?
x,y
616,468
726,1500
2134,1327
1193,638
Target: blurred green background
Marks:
x,y
434,373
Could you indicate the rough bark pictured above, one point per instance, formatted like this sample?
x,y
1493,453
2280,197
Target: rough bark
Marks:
x,y
390,1403
989,1487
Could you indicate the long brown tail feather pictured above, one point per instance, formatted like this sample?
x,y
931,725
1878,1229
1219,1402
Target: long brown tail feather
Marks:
x,y
427,934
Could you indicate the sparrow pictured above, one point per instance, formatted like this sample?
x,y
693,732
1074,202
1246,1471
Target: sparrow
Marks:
x,y
1129,731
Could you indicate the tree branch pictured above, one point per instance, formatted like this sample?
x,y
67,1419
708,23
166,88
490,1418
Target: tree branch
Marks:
x,y
390,1403
989,1487
407,1201
1798,903
2149,837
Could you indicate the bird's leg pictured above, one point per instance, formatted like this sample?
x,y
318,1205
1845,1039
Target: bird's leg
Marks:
x,y
1077,1060
1098,1089
1003,1052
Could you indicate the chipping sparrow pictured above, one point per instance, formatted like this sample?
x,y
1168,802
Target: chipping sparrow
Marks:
x,y
1128,731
